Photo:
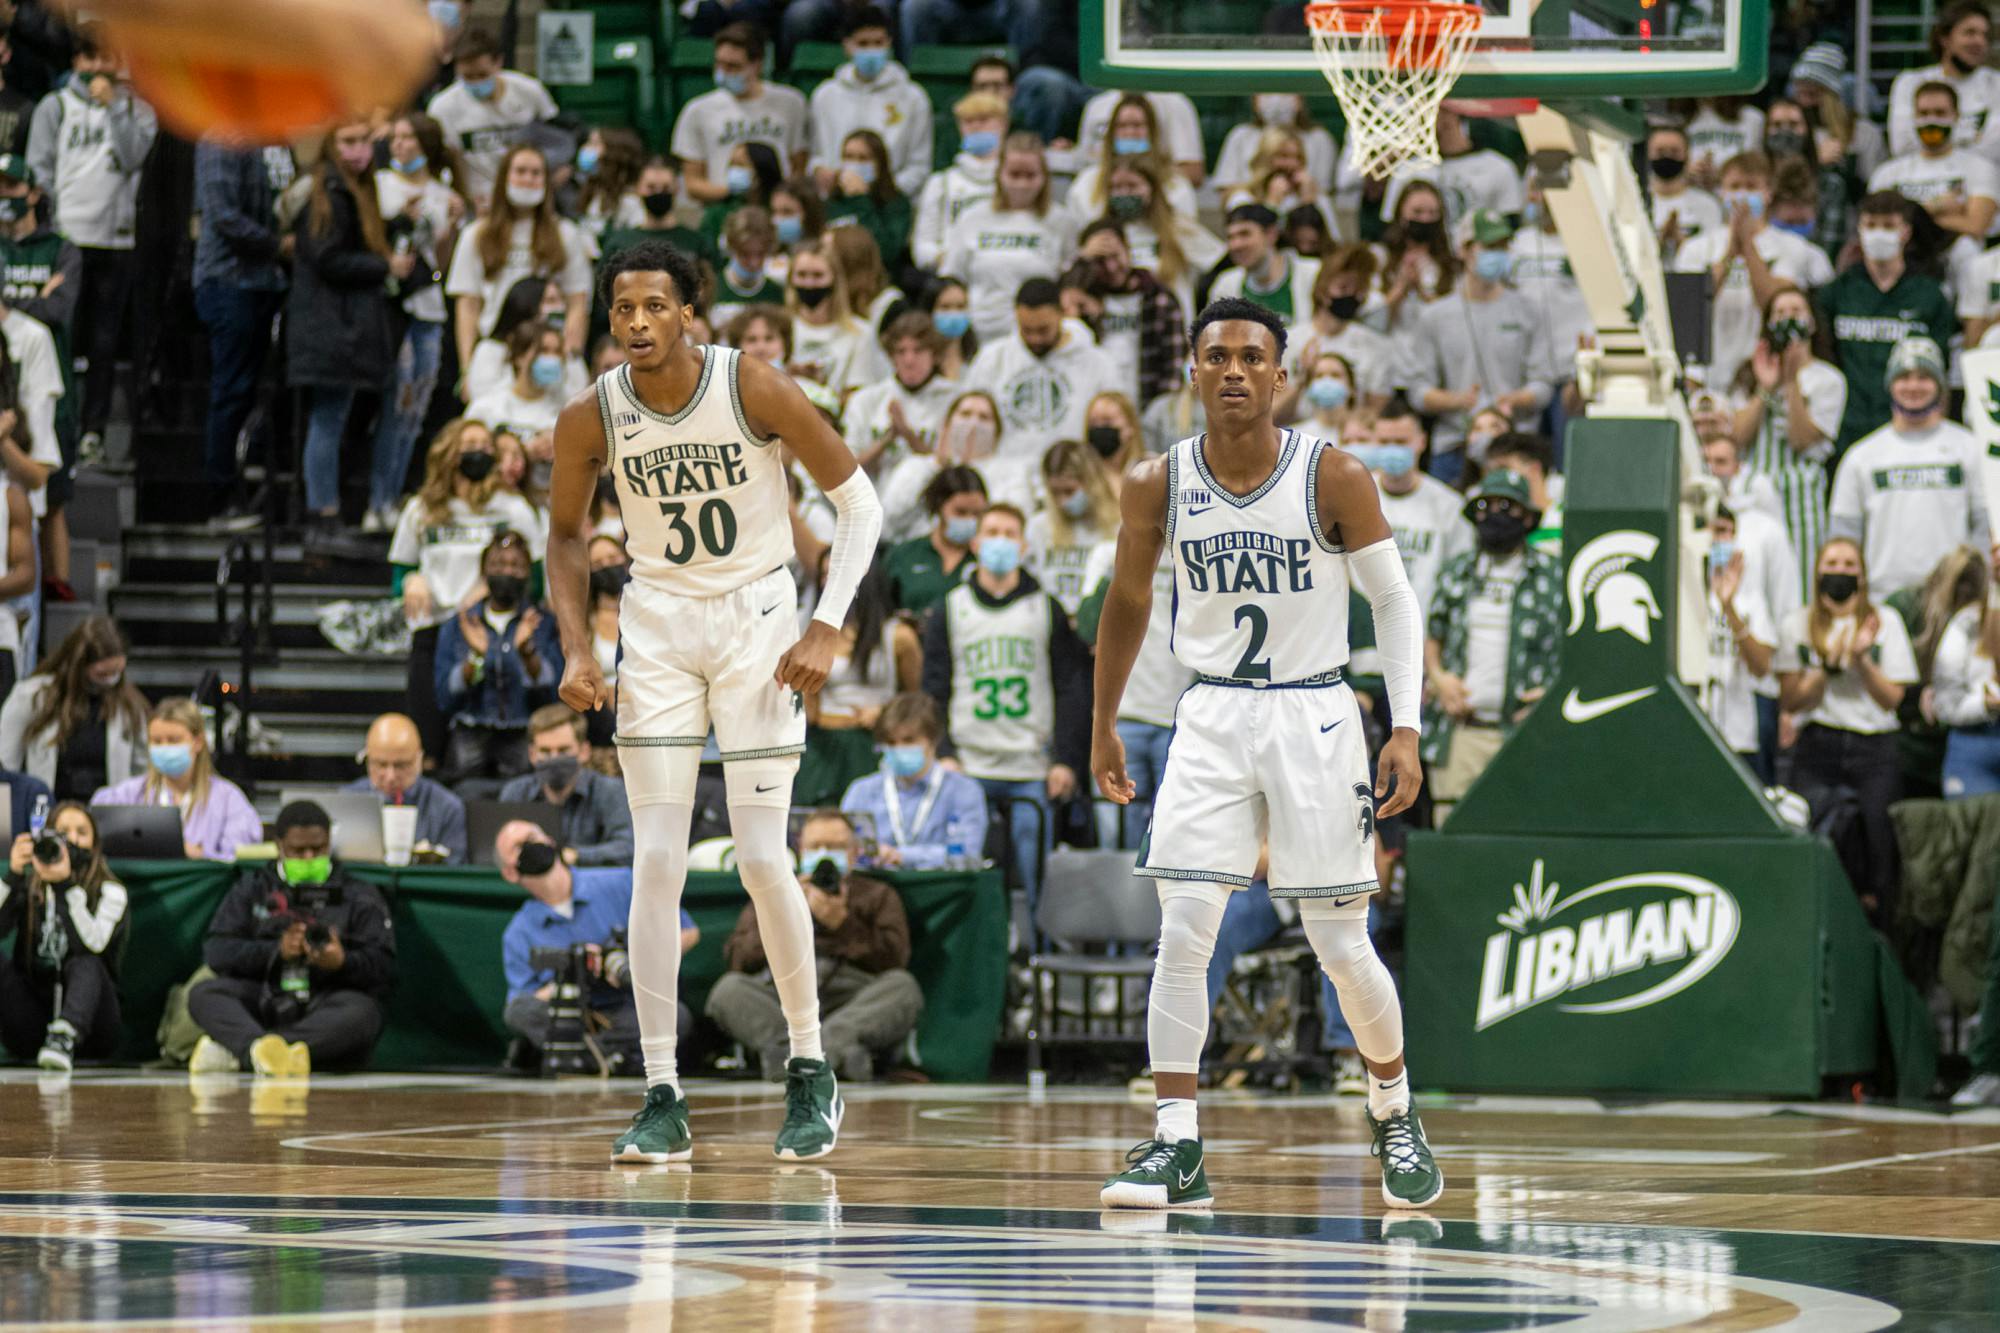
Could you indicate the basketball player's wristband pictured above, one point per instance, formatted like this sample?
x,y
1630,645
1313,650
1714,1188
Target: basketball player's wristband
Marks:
x,y
857,528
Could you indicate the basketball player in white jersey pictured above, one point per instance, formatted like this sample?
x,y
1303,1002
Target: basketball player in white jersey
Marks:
x,y
691,436
1265,529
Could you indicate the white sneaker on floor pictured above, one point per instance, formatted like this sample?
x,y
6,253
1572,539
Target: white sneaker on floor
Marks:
x,y
1350,1076
372,521
211,1057
1979,1090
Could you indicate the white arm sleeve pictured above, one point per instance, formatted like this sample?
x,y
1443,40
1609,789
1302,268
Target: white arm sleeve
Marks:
x,y
856,530
1378,572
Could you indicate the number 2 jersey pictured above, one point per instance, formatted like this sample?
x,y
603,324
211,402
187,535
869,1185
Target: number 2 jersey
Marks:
x,y
1260,593
703,498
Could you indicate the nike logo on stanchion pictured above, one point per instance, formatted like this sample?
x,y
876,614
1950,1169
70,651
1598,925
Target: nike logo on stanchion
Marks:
x,y
1578,709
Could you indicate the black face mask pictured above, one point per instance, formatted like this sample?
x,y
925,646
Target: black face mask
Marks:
x,y
505,591
1784,143
536,858
1501,532
813,297
658,205
1838,587
1424,233
610,580
1343,307
476,467
1666,168
1105,440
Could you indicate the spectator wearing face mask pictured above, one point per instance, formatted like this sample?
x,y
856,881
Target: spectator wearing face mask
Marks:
x,y
918,808
1014,238
1961,39
1133,139
921,570
656,191
1742,641
1789,136
746,278
1745,261
519,236
1420,264
1042,375
1681,209
1425,516
1875,304
1494,640
898,416
1771,564
610,571
497,661
879,657
216,817
1139,321
742,108
871,92
1286,111
1793,404
596,821
969,180
484,111
1958,187
1326,397
866,194
1486,347
1081,514
829,345
1909,493
1532,456
1540,270
527,406
1338,296
1177,124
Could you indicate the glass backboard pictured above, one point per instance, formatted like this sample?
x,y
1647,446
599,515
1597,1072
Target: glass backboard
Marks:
x,y
1527,48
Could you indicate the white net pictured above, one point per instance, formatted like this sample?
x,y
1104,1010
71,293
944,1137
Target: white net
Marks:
x,y
1391,65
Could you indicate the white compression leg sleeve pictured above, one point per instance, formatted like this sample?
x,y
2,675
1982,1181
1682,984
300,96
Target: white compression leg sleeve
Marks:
x,y
1368,999
1177,1013
659,873
764,864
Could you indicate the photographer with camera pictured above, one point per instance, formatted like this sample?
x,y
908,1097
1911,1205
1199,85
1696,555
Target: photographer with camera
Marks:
x,y
59,992
861,942
567,943
304,957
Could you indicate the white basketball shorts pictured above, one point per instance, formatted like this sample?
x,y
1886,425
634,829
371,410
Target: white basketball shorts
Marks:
x,y
1287,763
686,663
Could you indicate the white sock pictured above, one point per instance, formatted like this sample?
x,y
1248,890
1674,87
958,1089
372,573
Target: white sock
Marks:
x,y
1176,1120
784,923
659,873
1387,1097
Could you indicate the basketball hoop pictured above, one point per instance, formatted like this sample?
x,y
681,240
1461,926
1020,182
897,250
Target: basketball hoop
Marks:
x,y
1392,63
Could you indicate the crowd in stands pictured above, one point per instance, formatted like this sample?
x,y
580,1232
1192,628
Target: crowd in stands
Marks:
x,y
999,339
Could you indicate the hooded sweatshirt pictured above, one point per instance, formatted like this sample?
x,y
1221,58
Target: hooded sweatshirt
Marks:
x,y
88,157
891,105
967,181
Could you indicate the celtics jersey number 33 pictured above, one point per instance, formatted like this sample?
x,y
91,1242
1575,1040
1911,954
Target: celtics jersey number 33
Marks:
x,y
1260,593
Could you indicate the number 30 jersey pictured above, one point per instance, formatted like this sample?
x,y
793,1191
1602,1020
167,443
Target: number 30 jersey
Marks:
x,y
704,500
1260,594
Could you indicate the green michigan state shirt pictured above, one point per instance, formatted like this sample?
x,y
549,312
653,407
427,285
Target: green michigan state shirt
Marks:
x,y
1867,322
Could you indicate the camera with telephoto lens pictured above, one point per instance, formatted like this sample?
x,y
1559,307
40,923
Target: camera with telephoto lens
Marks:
x,y
318,935
825,875
570,1048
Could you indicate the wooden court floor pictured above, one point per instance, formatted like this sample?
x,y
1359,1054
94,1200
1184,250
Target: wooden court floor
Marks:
x,y
464,1203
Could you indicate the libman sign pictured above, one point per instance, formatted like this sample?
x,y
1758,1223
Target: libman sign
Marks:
x,y
1627,943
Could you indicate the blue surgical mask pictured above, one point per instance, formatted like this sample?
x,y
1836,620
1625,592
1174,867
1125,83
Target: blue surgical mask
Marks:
x,y
999,556
904,761
171,761
863,171
1720,554
810,858
871,61
483,89
1531,214
790,228
1077,505
733,84
960,530
413,166
586,160
1327,392
980,143
446,13
546,370
739,179
952,323
1802,230
1367,454
1493,265
1125,147
1753,200
744,276
1395,460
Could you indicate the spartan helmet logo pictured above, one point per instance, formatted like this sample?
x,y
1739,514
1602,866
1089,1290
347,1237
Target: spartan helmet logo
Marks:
x,y
1364,794
1602,577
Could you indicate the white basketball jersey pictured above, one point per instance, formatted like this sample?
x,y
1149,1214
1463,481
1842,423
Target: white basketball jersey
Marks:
x,y
1260,594
1003,705
704,500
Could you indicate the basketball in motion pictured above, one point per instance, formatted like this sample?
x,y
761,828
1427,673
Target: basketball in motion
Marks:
x,y
261,71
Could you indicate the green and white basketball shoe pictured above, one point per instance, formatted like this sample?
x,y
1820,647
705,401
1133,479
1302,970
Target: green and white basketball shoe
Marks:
x,y
1410,1175
813,1110
1160,1175
659,1131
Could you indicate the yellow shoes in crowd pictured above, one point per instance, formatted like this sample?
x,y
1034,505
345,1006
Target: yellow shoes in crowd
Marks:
x,y
270,1057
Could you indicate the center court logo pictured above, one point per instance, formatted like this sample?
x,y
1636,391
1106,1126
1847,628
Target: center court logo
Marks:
x,y
1601,577
1617,934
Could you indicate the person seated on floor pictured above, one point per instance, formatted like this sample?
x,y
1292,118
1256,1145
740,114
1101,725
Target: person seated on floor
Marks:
x,y
920,808
59,991
395,757
591,907
303,957
868,1002
596,820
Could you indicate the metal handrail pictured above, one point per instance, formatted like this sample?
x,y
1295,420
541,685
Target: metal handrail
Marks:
x,y
251,632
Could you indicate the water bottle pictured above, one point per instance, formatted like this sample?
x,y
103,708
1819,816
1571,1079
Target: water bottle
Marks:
x,y
954,856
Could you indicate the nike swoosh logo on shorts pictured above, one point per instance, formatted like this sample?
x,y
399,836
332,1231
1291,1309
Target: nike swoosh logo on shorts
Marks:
x,y
1578,709
769,609
1329,727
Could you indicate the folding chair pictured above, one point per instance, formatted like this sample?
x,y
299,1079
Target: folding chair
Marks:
x,y
1089,900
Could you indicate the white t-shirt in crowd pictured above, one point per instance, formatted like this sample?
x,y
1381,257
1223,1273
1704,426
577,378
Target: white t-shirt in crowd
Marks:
x,y
1083,203
1699,212
993,251
38,381
867,415
1374,357
1718,140
447,553
1232,164
468,275
1962,678
1158,679
1960,171
945,198
483,131
1490,619
1479,179
489,372
1179,125
1846,704
503,409
1730,698
1430,527
393,193
1978,99
840,351
710,126
1042,398
1737,321
1911,497
1059,566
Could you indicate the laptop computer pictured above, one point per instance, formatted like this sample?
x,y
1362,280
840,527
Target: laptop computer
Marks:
x,y
356,816
485,819
140,832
